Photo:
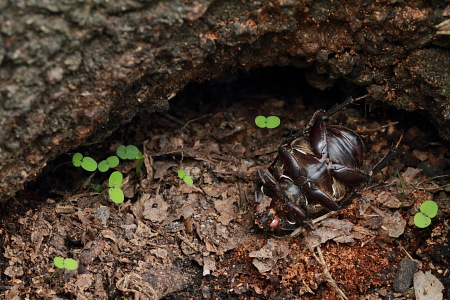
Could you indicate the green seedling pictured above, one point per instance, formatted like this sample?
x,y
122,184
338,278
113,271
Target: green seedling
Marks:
x,y
131,152
86,162
115,192
116,178
187,179
110,162
269,122
97,187
68,263
61,263
428,210
128,152
140,158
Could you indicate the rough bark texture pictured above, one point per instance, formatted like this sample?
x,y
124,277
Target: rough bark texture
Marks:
x,y
72,72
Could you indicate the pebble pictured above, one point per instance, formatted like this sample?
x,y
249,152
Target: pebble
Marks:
x,y
404,276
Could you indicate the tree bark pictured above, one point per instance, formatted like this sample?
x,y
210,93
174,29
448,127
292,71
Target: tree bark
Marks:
x,y
72,72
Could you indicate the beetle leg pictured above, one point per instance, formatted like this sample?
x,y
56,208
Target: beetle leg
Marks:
x,y
348,175
297,210
292,167
314,193
318,138
270,187
339,107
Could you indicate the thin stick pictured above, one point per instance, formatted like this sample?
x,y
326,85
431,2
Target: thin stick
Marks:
x,y
196,119
403,248
367,130
429,179
327,274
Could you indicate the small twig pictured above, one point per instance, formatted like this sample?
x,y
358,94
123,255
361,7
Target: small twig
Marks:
x,y
407,254
187,242
317,220
384,161
432,188
327,273
366,130
368,241
196,119
180,122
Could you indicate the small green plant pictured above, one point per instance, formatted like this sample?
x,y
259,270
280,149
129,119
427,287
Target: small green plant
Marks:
x,y
68,263
187,179
116,178
110,162
128,152
428,210
86,162
269,122
115,192
131,152
61,264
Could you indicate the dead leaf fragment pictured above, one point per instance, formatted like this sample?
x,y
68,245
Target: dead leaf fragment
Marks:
x,y
409,174
389,200
269,254
427,286
226,210
13,271
209,264
337,230
395,224
155,209
422,156
84,281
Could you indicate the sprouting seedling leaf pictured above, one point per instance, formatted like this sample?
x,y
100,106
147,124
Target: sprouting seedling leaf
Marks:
x,y
140,155
269,122
103,166
187,179
272,122
59,262
110,162
128,152
76,159
68,263
115,192
122,151
421,220
113,161
429,208
116,195
140,158
181,174
115,179
261,121
89,164
97,187
132,152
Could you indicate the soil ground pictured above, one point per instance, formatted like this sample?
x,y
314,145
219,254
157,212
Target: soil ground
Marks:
x,y
172,240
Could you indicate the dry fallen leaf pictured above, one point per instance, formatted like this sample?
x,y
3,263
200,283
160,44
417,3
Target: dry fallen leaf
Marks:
x,y
266,257
155,209
395,224
427,286
226,210
332,229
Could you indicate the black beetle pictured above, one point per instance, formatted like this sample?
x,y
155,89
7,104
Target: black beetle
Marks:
x,y
317,165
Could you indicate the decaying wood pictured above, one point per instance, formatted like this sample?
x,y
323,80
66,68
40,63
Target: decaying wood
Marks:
x,y
72,72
